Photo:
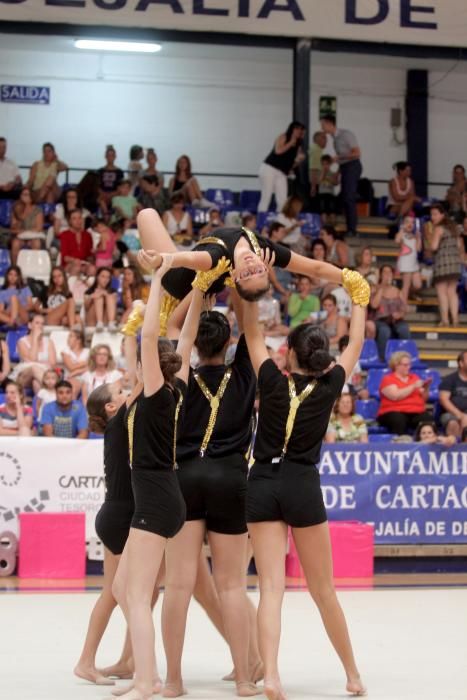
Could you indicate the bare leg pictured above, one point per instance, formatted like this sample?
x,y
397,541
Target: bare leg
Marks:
x,y
99,309
269,541
182,558
100,616
16,245
228,556
110,301
406,279
314,550
205,594
407,206
55,316
442,292
153,234
453,301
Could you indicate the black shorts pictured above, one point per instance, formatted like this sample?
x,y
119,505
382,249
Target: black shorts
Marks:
x,y
159,504
287,491
113,524
215,491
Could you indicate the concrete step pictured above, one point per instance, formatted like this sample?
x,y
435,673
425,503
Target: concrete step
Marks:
x,y
440,345
425,317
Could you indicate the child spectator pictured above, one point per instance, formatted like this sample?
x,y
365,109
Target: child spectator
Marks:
x,y
104,252
109,178
47,392
75,359
64,417
15,417
410,244
428,434
101,370
302,302
327,183
346,425
16,297
61,308
135,167
124,204
100,302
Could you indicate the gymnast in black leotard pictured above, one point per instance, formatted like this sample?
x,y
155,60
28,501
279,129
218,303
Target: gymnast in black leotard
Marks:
x,y
215,434
284,486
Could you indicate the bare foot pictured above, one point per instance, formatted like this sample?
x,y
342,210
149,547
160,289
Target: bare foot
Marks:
x,y
121,692
273,691
174,690
134,694
256,673
119,670
246,689
356,687
92,675
230,676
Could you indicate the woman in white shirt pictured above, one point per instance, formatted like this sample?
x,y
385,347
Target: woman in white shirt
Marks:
x,y
70,200
37,354
101,370
75,359
176,220
293,227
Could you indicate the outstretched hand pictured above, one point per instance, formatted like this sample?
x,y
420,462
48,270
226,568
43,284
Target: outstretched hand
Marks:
x,y
268,257
149,259
167,261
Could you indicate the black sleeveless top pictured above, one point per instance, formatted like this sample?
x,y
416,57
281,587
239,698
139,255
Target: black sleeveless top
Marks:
x,y
116,465
283,161
178,185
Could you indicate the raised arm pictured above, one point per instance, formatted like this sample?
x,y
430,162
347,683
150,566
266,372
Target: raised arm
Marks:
x,y
314,268
254,335
188,333
238,308
359,291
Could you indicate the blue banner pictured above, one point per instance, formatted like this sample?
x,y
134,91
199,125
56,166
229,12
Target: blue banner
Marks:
x,y
411,493
25,94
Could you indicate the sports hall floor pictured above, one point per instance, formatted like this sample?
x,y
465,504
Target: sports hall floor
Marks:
x,y
409,634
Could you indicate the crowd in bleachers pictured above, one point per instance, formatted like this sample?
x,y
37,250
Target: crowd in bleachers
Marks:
x,y
68,265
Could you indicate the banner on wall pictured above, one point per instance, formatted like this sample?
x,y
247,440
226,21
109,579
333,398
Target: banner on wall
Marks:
x,y
413,494
25,94
430,22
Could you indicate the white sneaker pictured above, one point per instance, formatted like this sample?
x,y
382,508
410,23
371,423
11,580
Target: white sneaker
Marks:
x,y
112,327
99,327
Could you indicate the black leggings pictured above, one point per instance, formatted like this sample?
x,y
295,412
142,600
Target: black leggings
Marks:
x,y
401,423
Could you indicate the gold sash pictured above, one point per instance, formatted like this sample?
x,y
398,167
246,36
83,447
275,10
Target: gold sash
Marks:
x,y
214,402
295,403
252,240
177,412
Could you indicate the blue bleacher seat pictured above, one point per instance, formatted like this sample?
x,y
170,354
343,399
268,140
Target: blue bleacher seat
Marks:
x,y
48,209
249,200
369,357
380,437
436,381
312,225
6,207
409,346
199,216
2,397
367,408
12,338
374,380
265,218
382,204
222,197
5,261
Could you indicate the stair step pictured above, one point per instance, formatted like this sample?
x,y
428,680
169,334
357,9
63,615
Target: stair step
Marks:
x,y
426,317
439,330
440,345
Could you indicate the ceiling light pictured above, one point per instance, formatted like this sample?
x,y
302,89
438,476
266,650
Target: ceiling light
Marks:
x,y
104,45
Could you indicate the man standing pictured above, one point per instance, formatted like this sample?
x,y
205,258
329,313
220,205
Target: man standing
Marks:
x,y
10,178
64,417
453,398
348,158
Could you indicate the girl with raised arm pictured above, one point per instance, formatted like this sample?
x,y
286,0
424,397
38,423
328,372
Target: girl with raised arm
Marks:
x,y
159,506
284,484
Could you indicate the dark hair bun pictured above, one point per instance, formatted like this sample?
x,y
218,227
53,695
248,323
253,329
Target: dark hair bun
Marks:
x,y
311,347
170,361
97,424
319,361
213,334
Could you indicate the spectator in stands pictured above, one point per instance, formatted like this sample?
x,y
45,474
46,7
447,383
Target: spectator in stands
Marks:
x,y
315,154
27,219
302,302
403,396
334,326
463,237
282,280
47,393
288,217
453,398
177,221
457,193
250,221
185,182
355,384
43,176
8,312
402,198
337,251
345,425
100,302
409,239
37,354
350,167
101,370
124,204
152,195
365,265
390,310
75,359
318,252
151,159
427,433
5,364
15,417
328,181
16,297
135,167
110,177
10,178
447,248
215,221
277,165
69,201
105,249
61,307
76,246
269,316
133,288
64,417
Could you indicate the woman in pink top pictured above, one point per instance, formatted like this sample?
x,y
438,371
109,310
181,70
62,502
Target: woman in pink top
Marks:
x,y
105,249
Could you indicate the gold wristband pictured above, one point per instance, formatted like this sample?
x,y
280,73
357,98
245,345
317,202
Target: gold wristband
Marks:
x,y
167,307
204,280
356,286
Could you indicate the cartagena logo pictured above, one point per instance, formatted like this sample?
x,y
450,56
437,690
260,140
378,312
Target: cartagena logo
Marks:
x,y
10,477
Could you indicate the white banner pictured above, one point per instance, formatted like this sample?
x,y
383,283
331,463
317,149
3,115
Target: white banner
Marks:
x,y
431,22
50,475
